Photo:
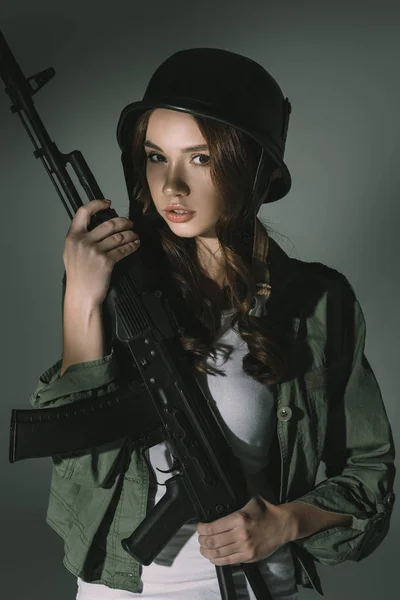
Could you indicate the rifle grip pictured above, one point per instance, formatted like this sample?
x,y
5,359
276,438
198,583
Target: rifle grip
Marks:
x,y
162,522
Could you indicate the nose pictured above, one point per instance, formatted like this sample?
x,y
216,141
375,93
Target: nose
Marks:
x,y
175,185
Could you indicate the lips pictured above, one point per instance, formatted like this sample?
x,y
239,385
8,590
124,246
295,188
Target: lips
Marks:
x,y
169,208
179,217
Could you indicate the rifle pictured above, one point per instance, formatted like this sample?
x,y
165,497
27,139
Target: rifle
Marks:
x,y
210,482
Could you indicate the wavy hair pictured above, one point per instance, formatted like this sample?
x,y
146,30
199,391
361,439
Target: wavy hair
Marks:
x,y
233,162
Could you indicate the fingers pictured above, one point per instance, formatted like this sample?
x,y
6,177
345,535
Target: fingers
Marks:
x,y
103,231
113,237
84,214
111,228
119,240
89,256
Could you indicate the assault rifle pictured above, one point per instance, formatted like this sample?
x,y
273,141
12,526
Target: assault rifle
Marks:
x,y
167,404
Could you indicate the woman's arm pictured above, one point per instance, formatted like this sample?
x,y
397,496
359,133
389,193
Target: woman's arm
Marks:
x,y
359,458
82,373
83,334
307,520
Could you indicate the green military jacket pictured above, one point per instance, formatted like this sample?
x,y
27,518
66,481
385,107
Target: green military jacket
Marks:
x,y
330,410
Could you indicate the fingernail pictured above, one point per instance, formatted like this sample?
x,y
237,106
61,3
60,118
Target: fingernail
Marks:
x,y
136,242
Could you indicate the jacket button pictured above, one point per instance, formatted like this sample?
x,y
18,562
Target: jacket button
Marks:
x,y
284,413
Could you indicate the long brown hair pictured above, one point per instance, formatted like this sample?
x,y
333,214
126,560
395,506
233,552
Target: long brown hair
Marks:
x,y
234,158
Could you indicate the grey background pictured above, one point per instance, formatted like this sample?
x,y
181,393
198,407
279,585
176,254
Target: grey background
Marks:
x,y
337,63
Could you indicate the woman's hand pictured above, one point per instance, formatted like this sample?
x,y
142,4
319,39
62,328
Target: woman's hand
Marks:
x,y
89,256
247,535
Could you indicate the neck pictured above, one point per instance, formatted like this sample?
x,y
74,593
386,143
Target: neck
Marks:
x,y
213,267
210,260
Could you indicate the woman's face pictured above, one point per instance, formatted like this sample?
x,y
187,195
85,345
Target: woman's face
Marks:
x,y
178,173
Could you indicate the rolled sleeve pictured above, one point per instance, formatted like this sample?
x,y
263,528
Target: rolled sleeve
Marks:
x,y
359,540
78,381
93,378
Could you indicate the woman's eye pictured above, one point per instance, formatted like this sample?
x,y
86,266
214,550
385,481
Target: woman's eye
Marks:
x,y
202,156
152,155
204,159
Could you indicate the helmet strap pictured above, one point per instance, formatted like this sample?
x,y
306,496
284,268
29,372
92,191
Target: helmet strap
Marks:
x,y
260,244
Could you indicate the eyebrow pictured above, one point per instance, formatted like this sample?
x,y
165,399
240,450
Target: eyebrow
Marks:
x,y
150,144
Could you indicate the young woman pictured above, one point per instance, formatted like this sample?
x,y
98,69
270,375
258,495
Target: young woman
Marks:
x,y
276,343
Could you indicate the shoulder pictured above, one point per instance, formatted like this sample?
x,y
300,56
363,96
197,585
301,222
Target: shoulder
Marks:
x,y
289,274
327,304
316,275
